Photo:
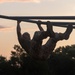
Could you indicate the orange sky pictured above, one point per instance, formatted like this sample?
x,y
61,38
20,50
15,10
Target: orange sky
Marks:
x,y
8,35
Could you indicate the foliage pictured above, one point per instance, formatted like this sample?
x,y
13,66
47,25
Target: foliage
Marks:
x,y
68,51
61,62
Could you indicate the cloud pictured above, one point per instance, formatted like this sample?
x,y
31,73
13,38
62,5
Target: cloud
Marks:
x,y
19,1
2,28
37,1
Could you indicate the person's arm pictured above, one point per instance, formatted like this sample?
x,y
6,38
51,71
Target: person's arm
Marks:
x,y
39,26
50,29
68,31
18,29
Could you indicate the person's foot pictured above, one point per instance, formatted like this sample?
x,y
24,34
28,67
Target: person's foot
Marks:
x,y
50,29
68,32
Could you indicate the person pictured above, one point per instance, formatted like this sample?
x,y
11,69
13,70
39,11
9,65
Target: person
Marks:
x,y
34,46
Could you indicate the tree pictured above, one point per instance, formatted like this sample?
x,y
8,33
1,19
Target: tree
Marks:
x,y
17,56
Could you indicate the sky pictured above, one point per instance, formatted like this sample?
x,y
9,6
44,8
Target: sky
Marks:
x,y
8,37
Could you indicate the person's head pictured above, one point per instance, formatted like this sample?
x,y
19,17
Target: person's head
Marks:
x,y
26,35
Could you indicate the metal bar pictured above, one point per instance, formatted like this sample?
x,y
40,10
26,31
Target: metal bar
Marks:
x,y
39,17
7,17
53,23
33,21
60,24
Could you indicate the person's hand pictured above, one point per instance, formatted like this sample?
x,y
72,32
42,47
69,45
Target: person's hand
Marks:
x,y
39,22
18,21
70,25
48,23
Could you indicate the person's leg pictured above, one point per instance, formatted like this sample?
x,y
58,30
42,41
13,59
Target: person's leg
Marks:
x,y
37,43
48,48
40,35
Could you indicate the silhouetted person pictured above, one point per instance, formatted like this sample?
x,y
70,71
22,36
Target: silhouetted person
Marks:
x,y
34,46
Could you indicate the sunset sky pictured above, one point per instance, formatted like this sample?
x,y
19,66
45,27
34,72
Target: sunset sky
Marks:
x,y
8,37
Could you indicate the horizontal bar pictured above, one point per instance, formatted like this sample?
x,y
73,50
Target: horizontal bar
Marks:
x,y
7,17
53,23
60,24
39,17
33,21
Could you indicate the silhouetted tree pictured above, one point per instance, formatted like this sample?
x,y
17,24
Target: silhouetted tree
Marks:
x,y
61,62
17,56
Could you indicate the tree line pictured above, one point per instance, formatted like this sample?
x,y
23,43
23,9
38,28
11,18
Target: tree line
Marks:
x,y
61,62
